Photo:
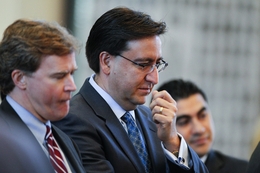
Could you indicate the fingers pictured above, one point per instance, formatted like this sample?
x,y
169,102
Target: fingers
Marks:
x,y
164,110
159,110
162,99
163,107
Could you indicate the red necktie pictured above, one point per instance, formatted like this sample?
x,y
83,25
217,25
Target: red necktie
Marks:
x,y
54,151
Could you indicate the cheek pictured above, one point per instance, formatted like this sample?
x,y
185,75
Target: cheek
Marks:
x,y
208,124
37,85
37,90
45,92
48,90
126,78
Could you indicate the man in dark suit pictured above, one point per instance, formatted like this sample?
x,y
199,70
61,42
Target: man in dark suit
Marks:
x,y
37,60
195,124
124,51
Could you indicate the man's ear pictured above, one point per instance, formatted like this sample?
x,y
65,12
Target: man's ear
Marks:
x,y
105,62
19,79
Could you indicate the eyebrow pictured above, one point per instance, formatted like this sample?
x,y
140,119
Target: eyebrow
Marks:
x,y
183,116
64,71
147,59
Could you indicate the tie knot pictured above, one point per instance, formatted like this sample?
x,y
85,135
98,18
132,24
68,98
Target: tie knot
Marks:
x,y
127,117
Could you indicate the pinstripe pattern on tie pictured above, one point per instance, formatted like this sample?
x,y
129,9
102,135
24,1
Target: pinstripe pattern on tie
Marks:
x,y
54,151
137,140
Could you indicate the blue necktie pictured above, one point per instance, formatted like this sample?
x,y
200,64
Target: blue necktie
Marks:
x,y
137,140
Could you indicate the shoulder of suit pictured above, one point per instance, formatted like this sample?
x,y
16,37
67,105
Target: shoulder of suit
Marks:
x,y
144,109
228,158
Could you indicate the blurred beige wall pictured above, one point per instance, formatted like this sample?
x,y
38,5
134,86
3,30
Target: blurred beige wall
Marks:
x,y
50,10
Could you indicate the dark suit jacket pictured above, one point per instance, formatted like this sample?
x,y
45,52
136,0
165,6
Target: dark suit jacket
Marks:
x,y
254,162
103,142
20,152
220,163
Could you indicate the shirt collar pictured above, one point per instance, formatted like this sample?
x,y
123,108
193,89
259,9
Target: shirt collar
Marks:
x,y
37,127
204,158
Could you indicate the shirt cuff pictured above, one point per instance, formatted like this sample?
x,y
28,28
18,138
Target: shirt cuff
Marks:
x,y
183,157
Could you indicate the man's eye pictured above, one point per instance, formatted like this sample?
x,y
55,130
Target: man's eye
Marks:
x,y
159,62
59,76
144,64
203,115
182,122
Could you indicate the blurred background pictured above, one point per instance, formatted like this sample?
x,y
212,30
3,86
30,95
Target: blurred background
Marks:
x,y
216,44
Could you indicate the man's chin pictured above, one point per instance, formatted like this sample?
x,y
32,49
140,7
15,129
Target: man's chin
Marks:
x,y
201,151
140,100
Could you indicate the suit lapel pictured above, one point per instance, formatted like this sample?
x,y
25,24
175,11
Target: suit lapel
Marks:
x,y
103,110
123,140
150,135
67,149
213,162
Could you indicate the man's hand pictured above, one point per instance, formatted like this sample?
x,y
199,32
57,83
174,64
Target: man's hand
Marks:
x,y
164,109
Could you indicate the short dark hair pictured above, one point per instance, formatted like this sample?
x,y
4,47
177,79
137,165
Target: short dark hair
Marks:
x,y
26,42
181,89
2,96
115,28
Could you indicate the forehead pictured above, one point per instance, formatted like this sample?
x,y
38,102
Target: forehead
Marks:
x,y
55,62
149,46
191,105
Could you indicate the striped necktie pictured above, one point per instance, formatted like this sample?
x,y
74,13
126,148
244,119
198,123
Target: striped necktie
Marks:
x,y
54,152
137,140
